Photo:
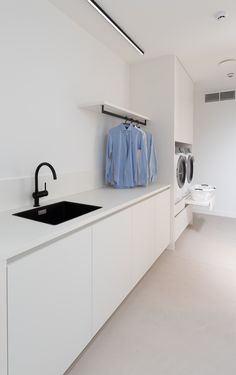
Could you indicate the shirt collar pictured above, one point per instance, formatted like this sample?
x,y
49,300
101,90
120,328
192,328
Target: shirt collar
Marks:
x,y
126,127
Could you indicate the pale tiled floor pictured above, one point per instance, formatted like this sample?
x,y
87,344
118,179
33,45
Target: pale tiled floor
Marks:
x,y
181,318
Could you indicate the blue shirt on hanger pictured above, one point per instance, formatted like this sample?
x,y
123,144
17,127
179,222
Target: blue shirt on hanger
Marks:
x,y
152,158
126,157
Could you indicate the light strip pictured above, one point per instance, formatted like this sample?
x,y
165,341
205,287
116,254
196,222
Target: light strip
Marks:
x,y
115,25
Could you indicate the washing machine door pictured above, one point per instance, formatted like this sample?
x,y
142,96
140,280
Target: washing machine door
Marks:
x,y
181,171
190,168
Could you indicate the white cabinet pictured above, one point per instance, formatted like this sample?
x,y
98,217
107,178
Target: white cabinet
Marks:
x,y
181,221
151,232
111,265
144,236
55,298
49,306
125,245
162,222
183,105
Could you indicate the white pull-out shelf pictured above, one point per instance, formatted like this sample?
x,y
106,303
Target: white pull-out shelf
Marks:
x,y
208,204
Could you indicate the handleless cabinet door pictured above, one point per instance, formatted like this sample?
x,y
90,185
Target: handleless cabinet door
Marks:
x,y
143,232
49,306
183,106
111,265
162,222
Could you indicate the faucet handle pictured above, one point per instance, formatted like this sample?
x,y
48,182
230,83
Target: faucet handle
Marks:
x,y
45,192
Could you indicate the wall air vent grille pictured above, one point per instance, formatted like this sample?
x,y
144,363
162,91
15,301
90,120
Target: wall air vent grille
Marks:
x,y
214,97
220,96
227,95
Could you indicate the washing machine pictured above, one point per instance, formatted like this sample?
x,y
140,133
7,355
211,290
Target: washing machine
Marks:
x,y
180,173
189,170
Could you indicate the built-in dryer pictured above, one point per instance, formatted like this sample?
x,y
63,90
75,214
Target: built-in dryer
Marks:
x,y
180,173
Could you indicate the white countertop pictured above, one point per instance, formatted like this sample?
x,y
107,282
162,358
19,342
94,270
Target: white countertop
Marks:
x,y
19,235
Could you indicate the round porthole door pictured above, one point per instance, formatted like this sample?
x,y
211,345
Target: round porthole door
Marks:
x,y
181,171
190,168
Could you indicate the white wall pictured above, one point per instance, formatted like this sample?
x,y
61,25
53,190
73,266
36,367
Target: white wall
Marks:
x,y
215,150
48,67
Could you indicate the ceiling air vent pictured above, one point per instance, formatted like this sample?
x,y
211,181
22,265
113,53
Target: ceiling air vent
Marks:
x,y
220,96
214,97
227,95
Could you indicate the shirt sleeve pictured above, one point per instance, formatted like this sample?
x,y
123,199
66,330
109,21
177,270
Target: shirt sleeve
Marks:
x,y
108,173
152,161
143,160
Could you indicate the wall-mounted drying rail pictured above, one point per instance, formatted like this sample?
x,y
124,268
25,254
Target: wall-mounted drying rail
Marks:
x,y
109,113
109,109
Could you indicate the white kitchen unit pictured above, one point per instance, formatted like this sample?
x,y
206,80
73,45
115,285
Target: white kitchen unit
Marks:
x,y
183,105
49,306
60,284
111,265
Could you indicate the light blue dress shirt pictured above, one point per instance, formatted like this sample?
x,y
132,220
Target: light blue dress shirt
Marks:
x,y
152,158
126,157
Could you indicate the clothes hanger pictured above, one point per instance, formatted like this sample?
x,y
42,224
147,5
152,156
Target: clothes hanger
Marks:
x,y
126,123
136,125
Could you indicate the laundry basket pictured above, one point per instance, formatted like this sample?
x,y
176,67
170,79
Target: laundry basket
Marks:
x,y
202,193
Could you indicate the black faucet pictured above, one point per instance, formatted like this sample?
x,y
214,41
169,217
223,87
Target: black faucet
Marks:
x,y
39,194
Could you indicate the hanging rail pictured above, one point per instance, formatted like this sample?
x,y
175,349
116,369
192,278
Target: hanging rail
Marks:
x,y
105,112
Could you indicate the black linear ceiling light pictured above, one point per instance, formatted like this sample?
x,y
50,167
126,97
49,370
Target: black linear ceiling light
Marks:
x,y
115,25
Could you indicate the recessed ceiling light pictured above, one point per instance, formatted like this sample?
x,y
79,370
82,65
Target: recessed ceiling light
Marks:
x,y
230,75
221,15
115,25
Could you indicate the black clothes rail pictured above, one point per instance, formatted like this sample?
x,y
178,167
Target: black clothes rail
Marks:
x,y
109,113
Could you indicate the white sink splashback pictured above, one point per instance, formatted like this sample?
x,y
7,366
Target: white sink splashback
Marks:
x,y
17,192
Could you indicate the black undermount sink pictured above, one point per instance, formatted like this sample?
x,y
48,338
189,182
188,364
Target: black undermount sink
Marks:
x,y
57,213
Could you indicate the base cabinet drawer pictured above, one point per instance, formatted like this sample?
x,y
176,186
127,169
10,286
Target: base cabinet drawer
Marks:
x,y
181,221
179,206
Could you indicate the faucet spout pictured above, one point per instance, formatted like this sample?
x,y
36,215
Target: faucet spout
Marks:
x,y
39,194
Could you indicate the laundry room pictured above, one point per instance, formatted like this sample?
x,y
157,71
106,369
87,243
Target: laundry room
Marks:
x,y
117,187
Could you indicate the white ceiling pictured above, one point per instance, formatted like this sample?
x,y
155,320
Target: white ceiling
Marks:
x,y
185,28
